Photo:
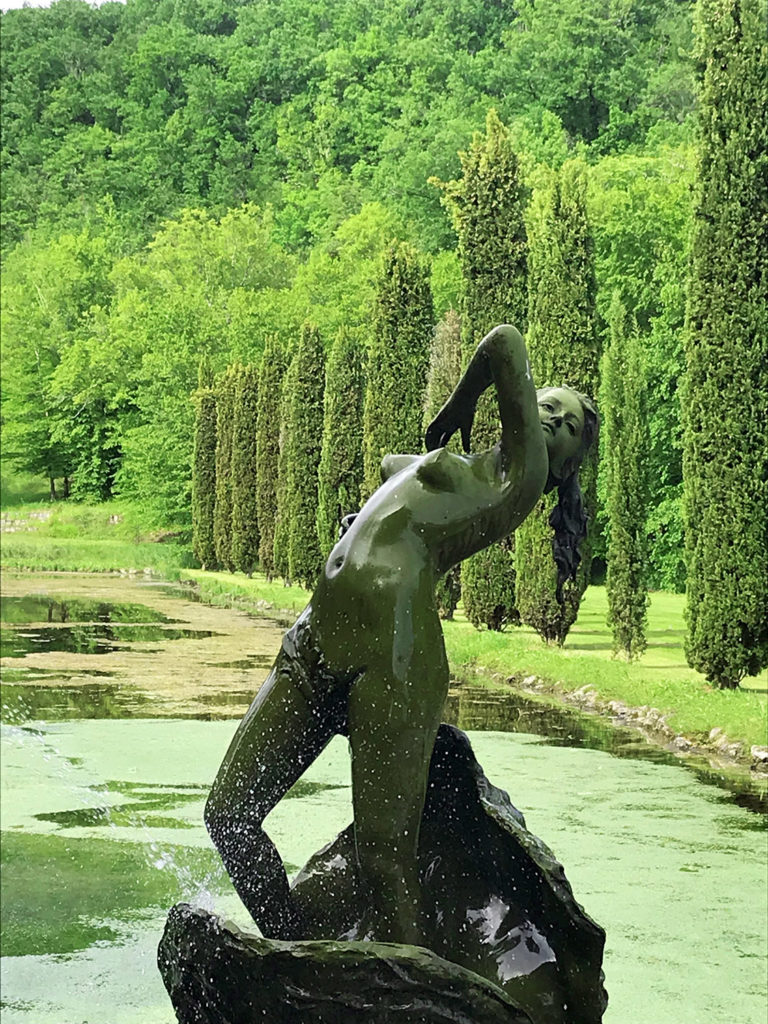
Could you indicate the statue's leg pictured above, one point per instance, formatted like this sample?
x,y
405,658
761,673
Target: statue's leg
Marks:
x,y
282,733
392,727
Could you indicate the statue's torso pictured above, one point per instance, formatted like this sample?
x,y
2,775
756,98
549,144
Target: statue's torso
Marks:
x,y
380,576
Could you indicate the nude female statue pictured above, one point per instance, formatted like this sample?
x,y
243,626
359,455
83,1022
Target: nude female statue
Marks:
x,y
366,657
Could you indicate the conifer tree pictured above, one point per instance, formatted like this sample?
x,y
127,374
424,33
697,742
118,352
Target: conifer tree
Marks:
x,y
304,438
340,475
725,396
486,205
222,513
284,475
563,350
271,373
245,523
398,361
442,376
625,443
204,469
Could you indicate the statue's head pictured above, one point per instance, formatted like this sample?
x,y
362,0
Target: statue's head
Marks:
x,y
569,421
570,424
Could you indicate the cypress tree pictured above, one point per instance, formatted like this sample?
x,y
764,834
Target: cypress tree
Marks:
x,y
442,375
625,440
563,350
340,475
271,373
222,513
725,395
305,433
284,475
204,469
486,205
245,523
398,361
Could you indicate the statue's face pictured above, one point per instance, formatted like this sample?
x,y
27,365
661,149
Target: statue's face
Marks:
x,y
562,420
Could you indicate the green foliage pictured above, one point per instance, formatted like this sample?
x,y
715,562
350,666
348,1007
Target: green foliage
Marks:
x,y
204,470
245,523
226,393
607,73
316,107
271,373
444,367
563,349
337,284
398,360
641,211
304,433
443,374
340,473
135,135
58,419
725,402
22,488
624,443
486,205
203,286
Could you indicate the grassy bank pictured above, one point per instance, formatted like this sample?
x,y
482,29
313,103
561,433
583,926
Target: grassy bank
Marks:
x,y
661,679
73,537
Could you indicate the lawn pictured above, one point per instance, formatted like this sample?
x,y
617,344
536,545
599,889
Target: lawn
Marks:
x,y
78,537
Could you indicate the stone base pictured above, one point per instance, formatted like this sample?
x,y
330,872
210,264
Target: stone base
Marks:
x,y
504,938
215,974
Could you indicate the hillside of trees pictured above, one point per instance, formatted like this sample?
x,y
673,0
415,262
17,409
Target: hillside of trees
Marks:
x,y
187,179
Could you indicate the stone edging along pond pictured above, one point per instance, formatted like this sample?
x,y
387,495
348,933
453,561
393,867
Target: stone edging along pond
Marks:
x,y
648,720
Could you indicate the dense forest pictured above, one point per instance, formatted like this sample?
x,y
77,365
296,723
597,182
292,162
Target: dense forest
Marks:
x,y
186,179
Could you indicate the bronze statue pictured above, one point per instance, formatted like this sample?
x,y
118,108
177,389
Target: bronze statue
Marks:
x,y
366,657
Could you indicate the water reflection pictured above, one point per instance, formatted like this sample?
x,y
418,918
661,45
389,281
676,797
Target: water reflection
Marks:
x,y
24,703
31,608
476,708
87,639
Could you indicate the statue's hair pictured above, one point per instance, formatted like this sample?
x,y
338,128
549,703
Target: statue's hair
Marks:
x,y
569,517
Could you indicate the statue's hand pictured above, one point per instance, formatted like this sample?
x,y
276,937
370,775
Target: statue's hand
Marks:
x,y
452,417
346,522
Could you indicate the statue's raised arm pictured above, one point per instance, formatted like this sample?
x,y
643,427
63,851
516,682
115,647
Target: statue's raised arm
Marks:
x,y
500,360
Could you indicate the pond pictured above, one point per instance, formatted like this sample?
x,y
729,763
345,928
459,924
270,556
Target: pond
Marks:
x,y
108,753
